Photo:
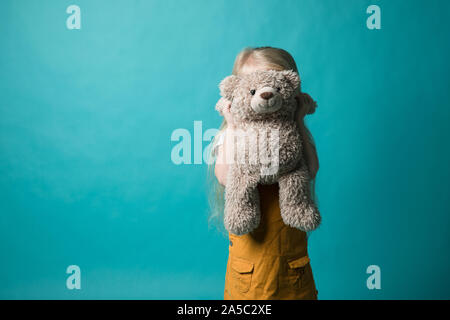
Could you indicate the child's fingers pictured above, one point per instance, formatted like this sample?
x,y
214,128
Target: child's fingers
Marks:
x,y
227,113
226,108
222,105
308,103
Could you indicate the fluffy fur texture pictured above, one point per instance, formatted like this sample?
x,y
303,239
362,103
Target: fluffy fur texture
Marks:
x,y
263,107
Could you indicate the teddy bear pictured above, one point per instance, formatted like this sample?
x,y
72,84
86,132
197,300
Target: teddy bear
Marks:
x,y
266,149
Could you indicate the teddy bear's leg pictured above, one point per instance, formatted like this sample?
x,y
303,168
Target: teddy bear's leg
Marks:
x,y
242,212
297,208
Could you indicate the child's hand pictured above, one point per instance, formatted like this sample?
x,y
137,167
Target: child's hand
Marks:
x,y
306,105
224,106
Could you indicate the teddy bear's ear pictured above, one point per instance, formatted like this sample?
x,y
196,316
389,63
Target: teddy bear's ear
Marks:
x,y
227,86
292,77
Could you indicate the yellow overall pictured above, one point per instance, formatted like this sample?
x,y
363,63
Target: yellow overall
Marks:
x,y
272,261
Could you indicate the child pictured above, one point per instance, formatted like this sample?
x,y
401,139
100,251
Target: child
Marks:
x,y
270,262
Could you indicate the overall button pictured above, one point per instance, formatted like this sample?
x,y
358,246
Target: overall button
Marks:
x,y
231,243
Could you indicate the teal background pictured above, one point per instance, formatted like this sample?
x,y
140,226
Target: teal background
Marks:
x,y
86,118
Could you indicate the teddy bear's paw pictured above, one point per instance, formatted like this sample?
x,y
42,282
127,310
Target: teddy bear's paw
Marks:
x,y
241,221
304,217
311,218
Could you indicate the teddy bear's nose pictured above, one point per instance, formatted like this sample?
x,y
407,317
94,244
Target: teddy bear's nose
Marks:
x,y
266,95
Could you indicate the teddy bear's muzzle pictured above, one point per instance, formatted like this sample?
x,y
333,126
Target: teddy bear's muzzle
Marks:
x,y
266,100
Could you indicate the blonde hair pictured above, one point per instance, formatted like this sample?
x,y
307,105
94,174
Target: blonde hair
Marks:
x,y
271,59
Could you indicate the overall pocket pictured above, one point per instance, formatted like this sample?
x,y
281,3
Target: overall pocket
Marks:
x,y
299,272
241,271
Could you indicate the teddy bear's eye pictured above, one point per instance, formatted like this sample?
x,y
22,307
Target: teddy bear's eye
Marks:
x,y
252,92
278,89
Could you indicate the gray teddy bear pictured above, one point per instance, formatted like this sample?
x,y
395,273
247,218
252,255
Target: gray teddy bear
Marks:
x,y
267,148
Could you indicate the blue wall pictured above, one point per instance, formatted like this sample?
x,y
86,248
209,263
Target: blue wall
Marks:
x,y
86,117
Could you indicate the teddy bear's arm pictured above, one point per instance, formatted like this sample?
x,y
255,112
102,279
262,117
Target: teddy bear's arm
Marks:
x,y
298,210
242,211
